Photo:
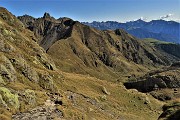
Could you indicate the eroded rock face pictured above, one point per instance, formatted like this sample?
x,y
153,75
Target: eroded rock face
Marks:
x,y
30,96
5,46
154,82
162,84
46,82
28,71
46,62
48,29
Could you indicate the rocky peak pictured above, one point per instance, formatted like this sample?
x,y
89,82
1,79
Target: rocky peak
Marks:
x,y
120,32
27,20
2,8
67,21
46,15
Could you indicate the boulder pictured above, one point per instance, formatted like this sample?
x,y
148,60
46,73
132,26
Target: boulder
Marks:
x,y
46,82
151,83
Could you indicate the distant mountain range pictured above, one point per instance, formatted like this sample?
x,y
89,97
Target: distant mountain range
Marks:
x,y
157,29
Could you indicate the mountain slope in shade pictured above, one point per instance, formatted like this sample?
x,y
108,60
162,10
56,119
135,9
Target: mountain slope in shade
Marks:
x,y
157,29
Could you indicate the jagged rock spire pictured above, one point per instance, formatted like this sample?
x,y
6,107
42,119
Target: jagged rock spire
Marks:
x,y
46,15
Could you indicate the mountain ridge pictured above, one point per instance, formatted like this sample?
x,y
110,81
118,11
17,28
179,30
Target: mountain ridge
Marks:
x,y
95,51
119,41
158,29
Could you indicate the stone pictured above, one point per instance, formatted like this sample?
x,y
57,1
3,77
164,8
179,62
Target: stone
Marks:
x,y
144,99
30,97
46,82
104,90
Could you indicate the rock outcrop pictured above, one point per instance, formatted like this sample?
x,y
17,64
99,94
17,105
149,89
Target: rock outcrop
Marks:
x,y
162,84
48,29
154,82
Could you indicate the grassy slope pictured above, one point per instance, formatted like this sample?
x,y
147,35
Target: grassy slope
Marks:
x,y
121,103
89,101
79,53
154,41
18,59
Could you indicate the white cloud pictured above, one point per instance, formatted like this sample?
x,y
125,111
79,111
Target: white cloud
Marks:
x,y
177,20
143,18
166,16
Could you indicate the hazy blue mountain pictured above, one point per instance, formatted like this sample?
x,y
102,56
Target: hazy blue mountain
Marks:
x,y
158,29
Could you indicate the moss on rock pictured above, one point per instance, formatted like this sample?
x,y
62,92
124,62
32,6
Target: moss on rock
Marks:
x,y
10,99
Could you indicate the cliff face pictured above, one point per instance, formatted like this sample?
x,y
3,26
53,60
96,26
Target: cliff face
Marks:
x,y
47,29
163,84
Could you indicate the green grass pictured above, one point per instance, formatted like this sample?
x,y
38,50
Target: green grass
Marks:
x,y
155,41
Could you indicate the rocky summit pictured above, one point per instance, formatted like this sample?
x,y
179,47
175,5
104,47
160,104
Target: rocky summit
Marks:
x,y
60,69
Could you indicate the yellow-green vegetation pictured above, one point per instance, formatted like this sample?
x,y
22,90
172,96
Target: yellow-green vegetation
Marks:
x,y
155,42
9,99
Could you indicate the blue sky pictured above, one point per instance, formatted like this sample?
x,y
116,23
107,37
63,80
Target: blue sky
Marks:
x,y
97,10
